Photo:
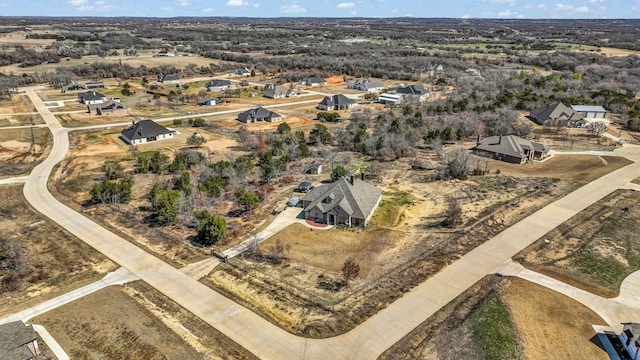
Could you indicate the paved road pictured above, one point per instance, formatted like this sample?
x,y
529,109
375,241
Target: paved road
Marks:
x,y
118,277
267,341
14,180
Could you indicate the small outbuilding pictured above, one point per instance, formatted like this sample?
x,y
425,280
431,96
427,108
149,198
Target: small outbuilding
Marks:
x,y
207,101
314,169
590,111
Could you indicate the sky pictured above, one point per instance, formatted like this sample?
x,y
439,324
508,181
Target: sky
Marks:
x,y
526,9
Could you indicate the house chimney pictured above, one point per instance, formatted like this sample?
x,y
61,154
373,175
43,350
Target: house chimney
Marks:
x,y
478,140
362,175
500,139
351,179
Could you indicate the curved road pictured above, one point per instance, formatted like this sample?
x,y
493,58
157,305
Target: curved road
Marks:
x,y
267,341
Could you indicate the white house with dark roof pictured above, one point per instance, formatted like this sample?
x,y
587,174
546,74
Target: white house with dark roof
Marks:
x,y
91,97
145,131
346,202
258,114
314,81
218,85
365,85
275,91
337,102
510,148
243,71
106,107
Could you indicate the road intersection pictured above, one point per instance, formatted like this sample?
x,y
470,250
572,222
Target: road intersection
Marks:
x,y
267,341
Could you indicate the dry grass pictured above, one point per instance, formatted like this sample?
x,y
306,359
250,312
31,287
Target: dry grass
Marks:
x,y
551,325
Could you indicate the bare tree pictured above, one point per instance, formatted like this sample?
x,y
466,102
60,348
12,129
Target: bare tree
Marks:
x,y
597,128
453,214
350,270
458,164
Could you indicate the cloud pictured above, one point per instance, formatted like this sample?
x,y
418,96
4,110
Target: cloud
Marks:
x,y
182,2
100,5
572,9
77,2
237,3
346,5
292,9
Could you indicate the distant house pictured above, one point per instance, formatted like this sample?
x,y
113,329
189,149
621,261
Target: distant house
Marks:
x,y
314,81
630,338
336,102
590,112
91,97
365,85
258,114
550,113
243,71
108,106
74,87
207,101
94,85
275,91
346,202
510,148
415,92
218,85
145,131
169,79
18,341
314,169
390,99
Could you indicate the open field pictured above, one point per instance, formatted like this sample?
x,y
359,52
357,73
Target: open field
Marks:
x,y
547,325
595,250
22,149
135,322
42,246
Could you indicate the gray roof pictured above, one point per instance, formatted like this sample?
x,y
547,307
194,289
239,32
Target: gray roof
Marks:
x,y
588,108
170,77
218,83
316,80
275,90
257,113
13,339
557,111
144,129
107,105
412,90
205,100
91,95
509,145
365,83
336,100
358,199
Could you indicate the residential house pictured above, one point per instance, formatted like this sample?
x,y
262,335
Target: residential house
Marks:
x,y
630,338
258,114
18,341
73,87
314,169
275,91
390,99
169,79
346,202
365,85
242,71
94,85
216,85
415,92
336,102
314,81
207,101
550,114
145,131
108,106
91,97
510,148
590,112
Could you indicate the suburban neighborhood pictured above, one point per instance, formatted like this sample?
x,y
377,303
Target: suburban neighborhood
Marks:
x,y
360,188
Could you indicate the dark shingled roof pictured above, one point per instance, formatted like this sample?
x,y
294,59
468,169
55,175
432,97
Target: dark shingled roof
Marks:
x,y
509,145
337,100
218,83
357,199
557,111
257,113
144,129
13,339
412,90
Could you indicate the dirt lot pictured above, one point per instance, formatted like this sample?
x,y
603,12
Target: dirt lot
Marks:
x,y
18,155
44,247
548,325
594,250
135,322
